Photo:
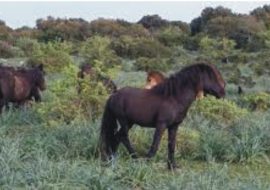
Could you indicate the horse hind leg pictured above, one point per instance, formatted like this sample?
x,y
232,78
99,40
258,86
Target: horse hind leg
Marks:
x,y
3,103
123,137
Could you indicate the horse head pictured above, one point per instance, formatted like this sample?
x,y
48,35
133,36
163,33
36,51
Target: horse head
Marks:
x,y
212,82
153,78
85,69
39,77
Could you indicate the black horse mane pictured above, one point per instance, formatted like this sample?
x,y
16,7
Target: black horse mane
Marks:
x,y
189,77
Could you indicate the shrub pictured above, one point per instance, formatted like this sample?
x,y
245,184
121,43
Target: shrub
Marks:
x,y
59,104
9,51
261,67
97,50
129,47
64,104
145,64
216,48
27,45
257,101
92,97
171,36
71,29
54,56
117,28
218,110
136,79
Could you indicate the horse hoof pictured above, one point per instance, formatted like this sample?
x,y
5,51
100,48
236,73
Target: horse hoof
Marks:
x,y
147,159
149,155
134,156
172,167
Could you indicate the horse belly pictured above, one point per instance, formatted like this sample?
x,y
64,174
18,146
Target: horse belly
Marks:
x,y
143,115
136,105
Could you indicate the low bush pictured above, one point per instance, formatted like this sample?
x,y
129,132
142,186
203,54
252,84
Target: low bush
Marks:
x,y
133,48
219,110
27,45
97,50
146,64
9,51
54,56
256,101
64,104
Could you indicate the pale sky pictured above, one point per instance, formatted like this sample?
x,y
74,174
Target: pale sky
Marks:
x,y
17,14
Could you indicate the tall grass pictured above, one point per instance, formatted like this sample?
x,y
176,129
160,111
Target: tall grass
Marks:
x,y
35,156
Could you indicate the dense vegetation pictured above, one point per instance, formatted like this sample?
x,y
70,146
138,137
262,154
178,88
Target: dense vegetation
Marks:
x,y
222,144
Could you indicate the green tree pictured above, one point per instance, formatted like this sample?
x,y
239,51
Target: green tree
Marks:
x,y
117,28
5,31
53,55
71,29
216,48
97,52
171,36
263,14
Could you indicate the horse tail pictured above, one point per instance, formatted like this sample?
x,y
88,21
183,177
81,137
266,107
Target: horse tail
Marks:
x,y
108,139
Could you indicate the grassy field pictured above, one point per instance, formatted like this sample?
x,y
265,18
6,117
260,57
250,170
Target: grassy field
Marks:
x,y
34,156
226,150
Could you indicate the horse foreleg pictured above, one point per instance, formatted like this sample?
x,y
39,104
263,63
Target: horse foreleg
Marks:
x,y
2,104
35,93
171,146
157,137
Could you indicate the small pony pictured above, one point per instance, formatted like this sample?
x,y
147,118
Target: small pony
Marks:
x,y
86,69
155,77
20,85
162,107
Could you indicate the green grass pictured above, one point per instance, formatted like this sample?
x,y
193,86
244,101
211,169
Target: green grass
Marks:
x,y
212,154
35,156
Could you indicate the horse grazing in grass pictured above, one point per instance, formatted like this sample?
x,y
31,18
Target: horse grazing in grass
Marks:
x,y
155,77
19,85
88,70
162,107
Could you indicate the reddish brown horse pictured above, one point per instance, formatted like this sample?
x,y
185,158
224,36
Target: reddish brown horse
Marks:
x,y
20,85
167,105
155,77
88,70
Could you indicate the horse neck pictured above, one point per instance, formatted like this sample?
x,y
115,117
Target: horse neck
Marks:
x,y
28,75
186,91
185,96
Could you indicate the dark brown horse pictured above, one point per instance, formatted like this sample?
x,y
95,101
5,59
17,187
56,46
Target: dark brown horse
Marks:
x,y
155,77
88,70
162,107
20,85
